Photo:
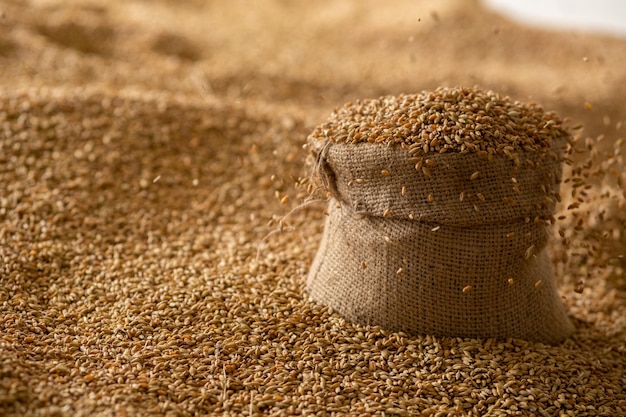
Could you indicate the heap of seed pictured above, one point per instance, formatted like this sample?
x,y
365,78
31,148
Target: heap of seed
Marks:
x,y
131,283
445,120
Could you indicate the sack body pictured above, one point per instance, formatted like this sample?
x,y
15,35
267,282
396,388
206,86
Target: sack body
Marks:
x,y
455,250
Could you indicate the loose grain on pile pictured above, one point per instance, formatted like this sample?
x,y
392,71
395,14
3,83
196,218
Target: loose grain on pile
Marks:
x,y
445,120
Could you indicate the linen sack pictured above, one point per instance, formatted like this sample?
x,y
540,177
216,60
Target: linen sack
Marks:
x,y
405,251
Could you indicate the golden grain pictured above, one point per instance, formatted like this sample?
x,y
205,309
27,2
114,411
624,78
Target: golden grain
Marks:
x,y
123,300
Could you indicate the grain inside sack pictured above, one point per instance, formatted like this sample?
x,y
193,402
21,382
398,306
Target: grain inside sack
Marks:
x,y
439,214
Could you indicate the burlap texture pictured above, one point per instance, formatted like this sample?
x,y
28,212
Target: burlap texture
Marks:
x,y
401,259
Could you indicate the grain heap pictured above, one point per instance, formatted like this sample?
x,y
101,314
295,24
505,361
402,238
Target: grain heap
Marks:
x,y
439,210
130,283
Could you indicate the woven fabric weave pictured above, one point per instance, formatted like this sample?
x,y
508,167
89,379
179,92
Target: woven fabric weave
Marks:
x,y
452,253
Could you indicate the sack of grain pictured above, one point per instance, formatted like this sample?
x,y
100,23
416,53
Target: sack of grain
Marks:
x,y
439,213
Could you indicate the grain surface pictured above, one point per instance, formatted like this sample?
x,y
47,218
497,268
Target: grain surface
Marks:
x,y
144,148
445,120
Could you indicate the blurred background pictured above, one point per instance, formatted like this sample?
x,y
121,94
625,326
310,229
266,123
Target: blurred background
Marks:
x,y
313,56
603,16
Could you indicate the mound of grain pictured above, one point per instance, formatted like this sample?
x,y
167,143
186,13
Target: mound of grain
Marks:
x,y
446,119
130,283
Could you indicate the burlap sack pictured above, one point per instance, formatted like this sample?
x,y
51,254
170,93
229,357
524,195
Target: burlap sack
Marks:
x,y
405,251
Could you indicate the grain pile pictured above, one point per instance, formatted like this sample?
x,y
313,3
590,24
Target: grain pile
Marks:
x,y
132,279
459,120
